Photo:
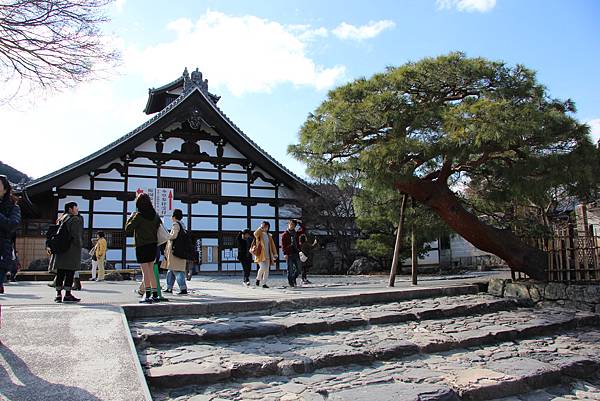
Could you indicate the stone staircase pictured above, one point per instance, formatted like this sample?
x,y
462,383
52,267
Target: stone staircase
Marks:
x,y
466,347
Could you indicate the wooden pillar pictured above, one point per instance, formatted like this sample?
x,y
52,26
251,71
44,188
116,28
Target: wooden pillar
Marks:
x,y
91,213
277,265
125,190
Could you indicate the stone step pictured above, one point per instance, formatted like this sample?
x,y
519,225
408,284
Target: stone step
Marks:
x,y
285,355
299,301
579,389
243,326
474,374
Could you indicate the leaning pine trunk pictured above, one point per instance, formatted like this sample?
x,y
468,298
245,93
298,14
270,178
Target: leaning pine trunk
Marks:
x,y
518,255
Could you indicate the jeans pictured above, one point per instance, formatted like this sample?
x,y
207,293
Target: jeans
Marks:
x,y
2,277
293,267
180,276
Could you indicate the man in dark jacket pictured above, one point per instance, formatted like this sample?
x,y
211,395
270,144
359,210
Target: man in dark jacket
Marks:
x,y
291,249
68,262
244,241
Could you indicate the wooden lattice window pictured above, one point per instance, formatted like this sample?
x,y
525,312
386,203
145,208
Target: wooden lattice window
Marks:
x,y
205,187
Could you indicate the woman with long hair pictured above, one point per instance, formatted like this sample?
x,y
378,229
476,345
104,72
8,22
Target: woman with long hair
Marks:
x,y
10,219
143,225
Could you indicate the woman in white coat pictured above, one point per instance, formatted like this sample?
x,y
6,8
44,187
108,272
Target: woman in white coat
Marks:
x,y
176,266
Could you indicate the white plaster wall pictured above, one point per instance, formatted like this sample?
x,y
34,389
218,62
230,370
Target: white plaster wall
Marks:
x,y
263,172
108,205
166,172
172,144
461,248
144,161
233,189
205,165
259,182
262,193
230,151
236,167
235,176
82,182
112,173
234,209
205,207
230,224
144,183
149,171
205,175
263,209
208,148
109,186
108,221
148,146
205,223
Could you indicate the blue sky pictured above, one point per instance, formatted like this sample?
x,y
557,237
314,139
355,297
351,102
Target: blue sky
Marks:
x,y
272,63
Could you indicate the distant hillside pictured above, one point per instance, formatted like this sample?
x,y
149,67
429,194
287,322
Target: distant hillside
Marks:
x,y
13,174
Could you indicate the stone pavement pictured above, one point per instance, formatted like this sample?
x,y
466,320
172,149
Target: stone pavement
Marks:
x,y
454,347
85,351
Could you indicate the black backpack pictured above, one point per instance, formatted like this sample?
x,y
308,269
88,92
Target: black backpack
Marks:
x,y
183,246
58,238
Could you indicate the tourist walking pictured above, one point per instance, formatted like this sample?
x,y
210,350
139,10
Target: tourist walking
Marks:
x,y
264,251
290,243
244,241
143,225
10,220
68,262
100,253
176,266
306,257
94,259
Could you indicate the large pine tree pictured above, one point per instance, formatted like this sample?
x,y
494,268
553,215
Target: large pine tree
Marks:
x,y
429,128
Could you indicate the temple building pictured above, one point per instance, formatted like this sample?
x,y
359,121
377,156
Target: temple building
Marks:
x,y
216,174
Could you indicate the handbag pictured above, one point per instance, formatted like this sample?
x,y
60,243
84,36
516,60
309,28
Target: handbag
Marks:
x,y
162,235
303,257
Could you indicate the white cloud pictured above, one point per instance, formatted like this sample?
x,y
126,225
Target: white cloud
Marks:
x,y
369,31
481,6
119,5
243,54
594,129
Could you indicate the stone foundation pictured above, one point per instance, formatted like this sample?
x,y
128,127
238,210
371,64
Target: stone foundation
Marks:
x,y
577,296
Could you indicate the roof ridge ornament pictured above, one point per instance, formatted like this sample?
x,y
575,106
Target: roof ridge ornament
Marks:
x,y
194,80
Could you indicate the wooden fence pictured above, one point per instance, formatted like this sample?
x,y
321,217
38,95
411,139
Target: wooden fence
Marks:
x,y
572,256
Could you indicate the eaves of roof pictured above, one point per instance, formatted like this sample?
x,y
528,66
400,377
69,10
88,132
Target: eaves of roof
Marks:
x,y
36,185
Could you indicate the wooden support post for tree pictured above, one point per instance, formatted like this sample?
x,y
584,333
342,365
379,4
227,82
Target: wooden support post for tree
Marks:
x,y
413,249
398,245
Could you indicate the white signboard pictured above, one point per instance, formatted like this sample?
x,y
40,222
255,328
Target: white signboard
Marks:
x,y
162,199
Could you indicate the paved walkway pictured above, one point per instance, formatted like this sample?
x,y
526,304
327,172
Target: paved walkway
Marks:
x,y
85,351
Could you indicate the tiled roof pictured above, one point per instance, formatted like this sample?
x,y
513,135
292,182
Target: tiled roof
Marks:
x,y
157,117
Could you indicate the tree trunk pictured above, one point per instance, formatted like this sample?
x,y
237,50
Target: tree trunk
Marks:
x,y
413,252
398,244
518,255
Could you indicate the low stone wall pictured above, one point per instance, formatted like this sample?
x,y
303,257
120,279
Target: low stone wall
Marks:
x,y
577,296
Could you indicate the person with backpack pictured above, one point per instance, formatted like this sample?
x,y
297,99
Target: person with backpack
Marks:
x,y
143,225
244,241
10,219
65,247
176,254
